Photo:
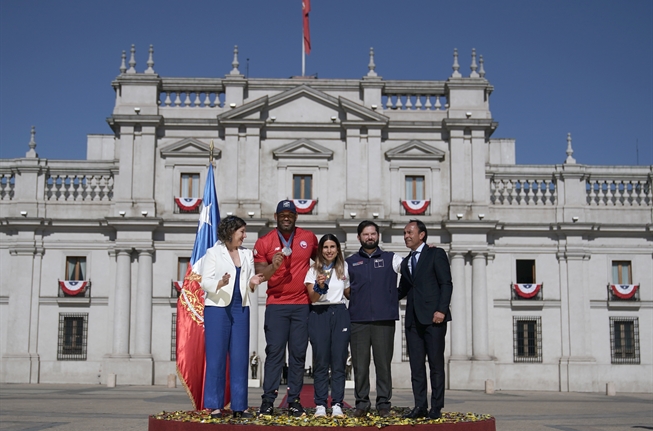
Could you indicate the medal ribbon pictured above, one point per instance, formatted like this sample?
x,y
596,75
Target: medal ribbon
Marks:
x,y
283,240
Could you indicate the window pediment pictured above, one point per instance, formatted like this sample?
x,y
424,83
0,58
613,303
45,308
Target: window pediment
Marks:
x,y
189,147
415,150
303,149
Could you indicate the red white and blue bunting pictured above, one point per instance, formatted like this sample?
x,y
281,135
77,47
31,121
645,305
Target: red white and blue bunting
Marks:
x,y
415,207
179,285
188,204
624,291
304,206
526,290
73,288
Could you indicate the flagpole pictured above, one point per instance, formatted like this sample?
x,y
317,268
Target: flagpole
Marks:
x,y
303,52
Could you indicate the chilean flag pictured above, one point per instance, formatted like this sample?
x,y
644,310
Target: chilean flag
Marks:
x,y
304,206
416,207
526,290
188,204
624,291
73,287
306,8
191,358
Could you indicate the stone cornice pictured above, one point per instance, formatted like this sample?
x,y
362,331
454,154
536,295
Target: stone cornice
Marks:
x,y
136,79
135,223
470,226
352,224
117,120
473,123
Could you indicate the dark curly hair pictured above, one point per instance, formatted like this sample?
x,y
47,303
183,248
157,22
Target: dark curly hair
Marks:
x,y
228,226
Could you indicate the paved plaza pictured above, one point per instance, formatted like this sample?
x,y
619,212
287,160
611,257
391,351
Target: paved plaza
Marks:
x,y
89,408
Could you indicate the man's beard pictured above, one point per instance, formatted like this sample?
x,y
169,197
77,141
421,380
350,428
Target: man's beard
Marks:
x,y
284,229
370,245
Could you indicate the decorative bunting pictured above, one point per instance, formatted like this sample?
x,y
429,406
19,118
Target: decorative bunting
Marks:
x,y
74,288
304,206
188,204
526,290
415,207
624,291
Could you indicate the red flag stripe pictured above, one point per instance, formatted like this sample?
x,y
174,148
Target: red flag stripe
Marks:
x,y
306,8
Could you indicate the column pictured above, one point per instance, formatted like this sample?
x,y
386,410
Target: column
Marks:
x,y
479,308
122,304
144,304
458,308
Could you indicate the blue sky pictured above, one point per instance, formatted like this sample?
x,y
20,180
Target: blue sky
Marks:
x,y
579,66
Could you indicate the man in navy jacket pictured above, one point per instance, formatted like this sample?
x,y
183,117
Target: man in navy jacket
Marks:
x,y
373,310
426,281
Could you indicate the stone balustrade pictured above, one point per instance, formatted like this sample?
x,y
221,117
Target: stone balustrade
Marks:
x,y
191,93
414,95
618,192
79,187
7,184
57,180
531,191
604,186
522,185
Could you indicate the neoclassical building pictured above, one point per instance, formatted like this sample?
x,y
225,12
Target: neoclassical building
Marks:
x,y
552,264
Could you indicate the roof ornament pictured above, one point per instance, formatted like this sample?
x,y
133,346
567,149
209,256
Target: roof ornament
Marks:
x,y
235,63
456,66
123,67
32,144
371,66
473,67
481,71
570,160
150,61
132,60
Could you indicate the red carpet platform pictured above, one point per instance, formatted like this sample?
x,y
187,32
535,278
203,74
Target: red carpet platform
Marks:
x,y
201,421
170,425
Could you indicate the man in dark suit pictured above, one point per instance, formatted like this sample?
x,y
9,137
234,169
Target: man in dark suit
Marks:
x,y
426,280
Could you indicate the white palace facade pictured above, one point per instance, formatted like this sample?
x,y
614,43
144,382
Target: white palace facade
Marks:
x,y
552,264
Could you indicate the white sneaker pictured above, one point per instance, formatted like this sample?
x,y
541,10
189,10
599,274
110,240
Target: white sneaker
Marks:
x,y
336,411
320,411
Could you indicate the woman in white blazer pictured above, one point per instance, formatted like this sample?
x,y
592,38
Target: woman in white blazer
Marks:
x,y
227,273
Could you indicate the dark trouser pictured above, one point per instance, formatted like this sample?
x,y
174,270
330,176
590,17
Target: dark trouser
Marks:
x,y
285,324
328,330
428,341
380,337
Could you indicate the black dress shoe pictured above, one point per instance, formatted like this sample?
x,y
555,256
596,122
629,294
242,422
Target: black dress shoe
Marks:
x,y
435,414
416,413
216,414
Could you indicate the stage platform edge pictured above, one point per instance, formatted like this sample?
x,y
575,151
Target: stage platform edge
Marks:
x,y
171,425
